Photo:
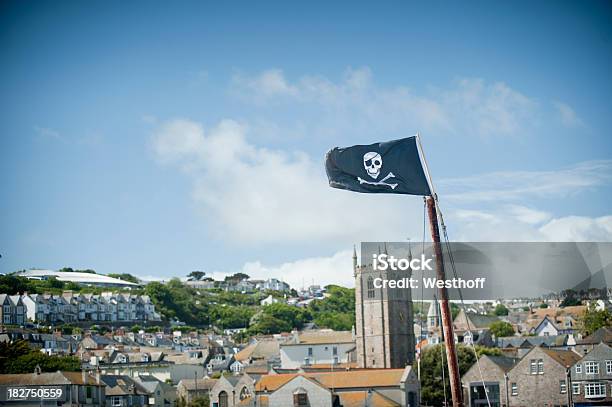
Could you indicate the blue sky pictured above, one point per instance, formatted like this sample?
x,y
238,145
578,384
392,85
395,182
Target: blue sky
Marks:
x,y
158,139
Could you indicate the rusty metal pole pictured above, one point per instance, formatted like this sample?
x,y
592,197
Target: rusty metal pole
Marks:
x,y
447,323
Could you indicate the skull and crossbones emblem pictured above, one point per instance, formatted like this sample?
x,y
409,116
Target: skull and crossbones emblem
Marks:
x,y
372,162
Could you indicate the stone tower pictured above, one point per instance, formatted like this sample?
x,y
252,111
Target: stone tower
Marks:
x,y
384,328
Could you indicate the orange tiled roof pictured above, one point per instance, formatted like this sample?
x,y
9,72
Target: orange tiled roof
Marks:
x,y
322,337
337,379
358,399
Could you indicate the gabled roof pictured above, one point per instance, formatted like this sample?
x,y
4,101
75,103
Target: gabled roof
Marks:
x,y
603,334
47,379
563,357
321,337
338,379
203,384
118,385
504,362
263,349
365,398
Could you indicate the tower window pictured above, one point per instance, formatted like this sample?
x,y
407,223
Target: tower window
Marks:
x,y
371,292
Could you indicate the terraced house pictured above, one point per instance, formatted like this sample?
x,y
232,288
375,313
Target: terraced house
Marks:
x,y
70,307
540,379
12,310
592,378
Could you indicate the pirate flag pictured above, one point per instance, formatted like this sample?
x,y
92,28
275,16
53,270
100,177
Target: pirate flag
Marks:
x,y
392,167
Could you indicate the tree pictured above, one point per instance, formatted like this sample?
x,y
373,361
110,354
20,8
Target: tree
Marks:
x,y
237,277
543,305
201,401
592,320
433,359
268,324
196,275
125,277
501,328
337,311
18,357
500,309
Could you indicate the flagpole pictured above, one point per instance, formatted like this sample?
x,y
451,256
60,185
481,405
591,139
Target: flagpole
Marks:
x,y
446,316
447,323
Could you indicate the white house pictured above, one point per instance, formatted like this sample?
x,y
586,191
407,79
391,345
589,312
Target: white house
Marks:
x,y
317,347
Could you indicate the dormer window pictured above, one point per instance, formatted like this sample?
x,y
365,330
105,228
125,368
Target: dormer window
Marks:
x,y
146,358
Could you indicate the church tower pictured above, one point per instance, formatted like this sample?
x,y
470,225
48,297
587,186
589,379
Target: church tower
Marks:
x,y
384,319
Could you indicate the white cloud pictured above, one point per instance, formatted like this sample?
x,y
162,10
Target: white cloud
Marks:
x,y
258,195
515,185
470,106
579,228
528,215
335,269
568,116
520,224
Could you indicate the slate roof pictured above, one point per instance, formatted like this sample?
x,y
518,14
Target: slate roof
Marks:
x,y
603,334
263,349
504,362
48,379
563,357
203,384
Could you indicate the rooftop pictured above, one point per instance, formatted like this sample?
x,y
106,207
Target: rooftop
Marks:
x,y
75,277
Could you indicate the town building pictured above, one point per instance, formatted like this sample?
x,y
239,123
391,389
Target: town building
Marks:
x,y
602,335
72,307
591,383
124,391
231,391
188,390
493,371
318,347
384,336
58,388
541,378
360,387
90,279
12,310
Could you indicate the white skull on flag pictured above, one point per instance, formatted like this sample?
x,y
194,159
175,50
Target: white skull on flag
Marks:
x,y
372,162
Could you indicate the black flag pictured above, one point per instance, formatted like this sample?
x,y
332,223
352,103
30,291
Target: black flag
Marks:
x,y
392,167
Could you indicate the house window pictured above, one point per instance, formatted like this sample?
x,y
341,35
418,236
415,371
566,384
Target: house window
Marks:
x,y
244,393
7,319
591,367
309,352
306,361
300,399
371,292
594,390
514,388
116,401
575,388
88,392
562,387
533,366
578,368
608,366
540,366
335,352
7,308
336,360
